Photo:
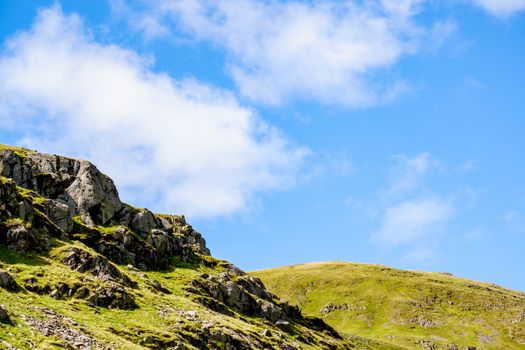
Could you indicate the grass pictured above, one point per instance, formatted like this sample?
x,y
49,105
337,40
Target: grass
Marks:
x,y
22,152
404,307
159,318
125,328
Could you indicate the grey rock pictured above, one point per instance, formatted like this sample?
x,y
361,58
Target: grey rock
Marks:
x,y
60,214
76,183
21,239
269,311
94,194
82,261
143,222
283,325
55,294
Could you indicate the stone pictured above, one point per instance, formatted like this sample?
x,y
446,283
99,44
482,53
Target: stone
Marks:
x,y
21,239
4,316
143,222
82,261
269,311
55,294
8,283
283,325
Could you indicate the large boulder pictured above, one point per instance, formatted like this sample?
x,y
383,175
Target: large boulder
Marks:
x,y
76,183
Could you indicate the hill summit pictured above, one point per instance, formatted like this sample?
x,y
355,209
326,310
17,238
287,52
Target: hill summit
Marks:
x,y
411,309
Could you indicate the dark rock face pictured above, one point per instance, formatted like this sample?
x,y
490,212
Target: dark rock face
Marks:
x,y
82,261
245,295
69,198
4,316
8,283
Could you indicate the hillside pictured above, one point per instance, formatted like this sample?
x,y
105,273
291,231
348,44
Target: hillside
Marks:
x,y
412,309
79,269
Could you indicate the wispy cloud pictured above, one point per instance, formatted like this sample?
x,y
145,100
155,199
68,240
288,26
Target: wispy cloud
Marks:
x,y
183,145
501,8
407,174
410,213
412,220
327,51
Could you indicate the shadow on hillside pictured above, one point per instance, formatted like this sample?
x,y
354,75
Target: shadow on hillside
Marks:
x,y
10,257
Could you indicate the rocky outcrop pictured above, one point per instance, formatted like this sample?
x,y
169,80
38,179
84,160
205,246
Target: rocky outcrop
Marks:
x,y
246,295
52,196
76,183
48,201
99,266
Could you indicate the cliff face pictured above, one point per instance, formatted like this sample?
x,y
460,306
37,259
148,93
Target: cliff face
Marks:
x,y
64,197
69,248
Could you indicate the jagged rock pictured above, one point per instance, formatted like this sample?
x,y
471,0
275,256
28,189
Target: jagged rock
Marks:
x,y
82,261
20,239
77,183
269,311
254,286
228,293
59,213
157,286
62,189
55,294
8,282
237,295
82,293
143,222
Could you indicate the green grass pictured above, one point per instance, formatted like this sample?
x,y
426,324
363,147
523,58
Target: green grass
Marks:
x,y
393,305
123,327
158,316
23,152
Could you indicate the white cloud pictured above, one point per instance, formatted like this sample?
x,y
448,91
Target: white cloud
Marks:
x,y
407,174
409,212
330,51
501,8
412,220
183,145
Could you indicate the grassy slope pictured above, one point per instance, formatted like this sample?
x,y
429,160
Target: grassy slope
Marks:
x,y
159,319
390,305
158,314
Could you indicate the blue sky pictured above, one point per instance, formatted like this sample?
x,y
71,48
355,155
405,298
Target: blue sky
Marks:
x,y
385,132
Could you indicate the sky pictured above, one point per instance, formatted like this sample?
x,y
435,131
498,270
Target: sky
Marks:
x,y
378,131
